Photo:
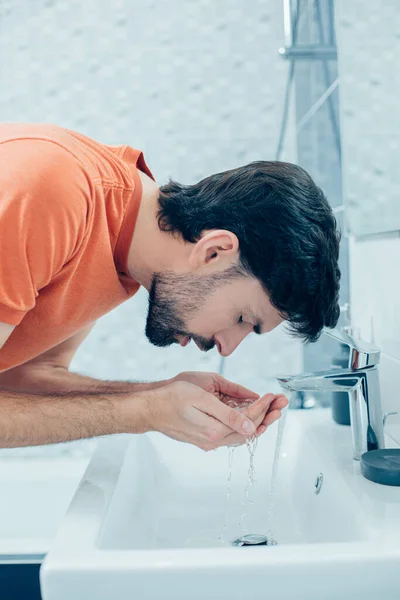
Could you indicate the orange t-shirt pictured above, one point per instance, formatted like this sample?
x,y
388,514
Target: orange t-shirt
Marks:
x,y
68,207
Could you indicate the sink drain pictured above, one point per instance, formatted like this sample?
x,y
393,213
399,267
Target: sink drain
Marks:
x,y
254,539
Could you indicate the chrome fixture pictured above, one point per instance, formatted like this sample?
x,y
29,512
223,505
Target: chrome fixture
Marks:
x,y
291,50
318,483
314,52
360,380
254,539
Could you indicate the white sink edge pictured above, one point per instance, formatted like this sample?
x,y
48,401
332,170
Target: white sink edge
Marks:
x,y
87,510
288,554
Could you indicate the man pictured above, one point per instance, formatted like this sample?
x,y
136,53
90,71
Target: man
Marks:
x,y
83,225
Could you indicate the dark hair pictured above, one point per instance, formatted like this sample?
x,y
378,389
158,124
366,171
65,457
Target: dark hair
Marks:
x,y
287,234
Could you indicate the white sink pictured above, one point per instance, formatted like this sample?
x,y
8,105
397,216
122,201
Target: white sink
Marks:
x,y
146,504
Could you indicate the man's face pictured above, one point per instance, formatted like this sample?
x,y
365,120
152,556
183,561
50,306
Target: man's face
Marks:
x,y
214,310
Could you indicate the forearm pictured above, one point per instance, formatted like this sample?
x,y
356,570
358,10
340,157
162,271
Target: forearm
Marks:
x,y
50,404
52,379
35,419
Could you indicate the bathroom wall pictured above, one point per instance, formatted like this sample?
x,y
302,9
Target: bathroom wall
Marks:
x,y
318,136
375,303
369,45
198,86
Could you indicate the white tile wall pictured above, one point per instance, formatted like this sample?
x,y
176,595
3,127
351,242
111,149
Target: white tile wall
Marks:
x,y
389,369
375,305
368,38
375,289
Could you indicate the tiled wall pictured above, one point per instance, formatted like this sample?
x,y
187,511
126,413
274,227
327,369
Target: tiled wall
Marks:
x,y
375,304
368,44
198,86
318,137
369,51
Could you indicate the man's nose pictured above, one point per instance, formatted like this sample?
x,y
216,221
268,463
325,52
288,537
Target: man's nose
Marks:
x,y
230,339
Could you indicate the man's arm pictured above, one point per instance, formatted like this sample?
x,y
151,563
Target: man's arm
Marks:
x,y
36,419
48,373
41,402
51,379
89,408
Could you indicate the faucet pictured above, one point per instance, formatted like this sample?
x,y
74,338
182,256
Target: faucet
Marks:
x,y
360,380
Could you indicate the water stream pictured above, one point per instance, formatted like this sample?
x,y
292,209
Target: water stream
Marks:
x,y
251,443
274,477
228,494
248,501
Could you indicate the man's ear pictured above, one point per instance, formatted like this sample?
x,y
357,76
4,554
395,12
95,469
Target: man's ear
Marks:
x,y
213,246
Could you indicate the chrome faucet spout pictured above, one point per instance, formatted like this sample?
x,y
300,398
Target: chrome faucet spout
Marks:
x,y
360,380
362,354
320,383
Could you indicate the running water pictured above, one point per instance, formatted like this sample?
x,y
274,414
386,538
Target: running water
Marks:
x,y
228,493
251,443
274,477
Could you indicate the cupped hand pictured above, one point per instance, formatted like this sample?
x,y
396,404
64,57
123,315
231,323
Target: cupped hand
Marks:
x,y
232,394
215,384
217,424
188,413
263,412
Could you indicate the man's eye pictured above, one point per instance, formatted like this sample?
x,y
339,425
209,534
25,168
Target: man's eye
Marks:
x,y
240,320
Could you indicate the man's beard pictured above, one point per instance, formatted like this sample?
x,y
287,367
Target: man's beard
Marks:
x,y
175,298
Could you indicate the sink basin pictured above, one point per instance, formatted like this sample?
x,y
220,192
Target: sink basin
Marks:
x,y
148,521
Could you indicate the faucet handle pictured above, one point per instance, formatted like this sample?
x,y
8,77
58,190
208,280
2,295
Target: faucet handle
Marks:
x,y
362,354
386,415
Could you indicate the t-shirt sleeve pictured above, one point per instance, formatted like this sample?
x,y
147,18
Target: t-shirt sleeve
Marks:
x,y
44,198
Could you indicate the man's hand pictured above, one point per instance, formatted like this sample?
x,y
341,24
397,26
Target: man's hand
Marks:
x,y
263,412
217,385
188,413
234,395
